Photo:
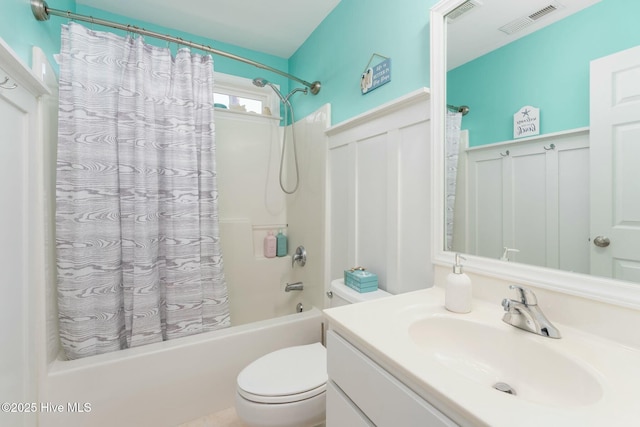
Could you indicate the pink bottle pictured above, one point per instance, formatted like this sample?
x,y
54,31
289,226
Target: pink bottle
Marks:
x,y
270,245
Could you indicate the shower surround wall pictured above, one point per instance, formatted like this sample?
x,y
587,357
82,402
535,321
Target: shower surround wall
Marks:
x,y
306,207
252,203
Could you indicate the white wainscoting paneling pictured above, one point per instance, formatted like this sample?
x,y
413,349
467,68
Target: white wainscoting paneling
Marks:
x,y
22,235
531,197
379,193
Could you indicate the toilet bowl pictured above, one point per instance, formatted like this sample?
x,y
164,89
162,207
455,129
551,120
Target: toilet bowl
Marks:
x,y
286,388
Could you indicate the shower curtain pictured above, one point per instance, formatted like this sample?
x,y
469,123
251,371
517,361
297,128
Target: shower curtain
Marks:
x,y
137,236
453,124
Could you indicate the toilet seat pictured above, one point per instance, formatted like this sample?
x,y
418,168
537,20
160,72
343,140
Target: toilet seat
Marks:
x,y
287,375
289,398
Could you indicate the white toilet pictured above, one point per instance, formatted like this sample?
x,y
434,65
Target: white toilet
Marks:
x,y
286,388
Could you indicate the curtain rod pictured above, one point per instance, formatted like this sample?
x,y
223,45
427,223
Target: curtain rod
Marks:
x,y
41,11
461,109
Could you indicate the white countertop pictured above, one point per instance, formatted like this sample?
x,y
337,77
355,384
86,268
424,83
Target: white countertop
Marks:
x,y
380,328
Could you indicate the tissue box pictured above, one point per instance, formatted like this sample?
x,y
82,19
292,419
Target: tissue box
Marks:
x,y
361,280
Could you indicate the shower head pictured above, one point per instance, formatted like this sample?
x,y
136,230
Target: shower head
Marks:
x,y
260,82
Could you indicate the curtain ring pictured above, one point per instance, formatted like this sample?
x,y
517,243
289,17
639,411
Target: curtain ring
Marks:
x,y
505,154
550,147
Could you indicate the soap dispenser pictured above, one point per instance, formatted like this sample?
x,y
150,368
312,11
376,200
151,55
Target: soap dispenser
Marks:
x,y
457,296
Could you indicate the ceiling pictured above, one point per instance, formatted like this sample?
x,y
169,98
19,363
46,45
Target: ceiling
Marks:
x,y
476,32
276,27
280,27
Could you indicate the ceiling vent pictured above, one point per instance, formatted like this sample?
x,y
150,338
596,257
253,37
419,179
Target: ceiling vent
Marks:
x,y
462,9
525,21
544,11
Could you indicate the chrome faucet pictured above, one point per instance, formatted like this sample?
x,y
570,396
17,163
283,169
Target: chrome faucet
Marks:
x,y
298,286
525,314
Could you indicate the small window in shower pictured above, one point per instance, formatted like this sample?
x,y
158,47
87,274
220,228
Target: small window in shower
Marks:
x,y
237,103
240,94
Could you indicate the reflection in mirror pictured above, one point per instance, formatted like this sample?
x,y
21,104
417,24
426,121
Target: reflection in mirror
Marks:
x,y
569,196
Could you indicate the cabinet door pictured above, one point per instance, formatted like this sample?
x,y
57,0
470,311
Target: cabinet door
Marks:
x,y
384,400
341,412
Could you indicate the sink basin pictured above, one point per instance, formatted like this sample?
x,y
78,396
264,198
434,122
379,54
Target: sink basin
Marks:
x,y
490,354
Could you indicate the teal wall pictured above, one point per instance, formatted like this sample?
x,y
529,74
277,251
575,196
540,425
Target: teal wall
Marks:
x,y
21,31
548,69
338,50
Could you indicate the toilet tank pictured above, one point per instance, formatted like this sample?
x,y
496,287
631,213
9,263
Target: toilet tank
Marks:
x,y
343,295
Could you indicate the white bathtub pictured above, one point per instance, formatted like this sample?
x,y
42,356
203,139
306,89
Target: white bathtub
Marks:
x,y
168,383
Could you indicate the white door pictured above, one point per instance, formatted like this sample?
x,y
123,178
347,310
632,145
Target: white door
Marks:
x,y
615,165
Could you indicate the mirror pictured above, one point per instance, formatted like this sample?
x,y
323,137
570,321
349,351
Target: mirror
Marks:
x,y
559,190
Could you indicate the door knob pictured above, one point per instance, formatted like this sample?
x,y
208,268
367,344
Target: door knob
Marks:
x,y
601,241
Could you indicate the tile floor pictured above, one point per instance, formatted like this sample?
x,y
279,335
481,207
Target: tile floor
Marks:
x,y
225,418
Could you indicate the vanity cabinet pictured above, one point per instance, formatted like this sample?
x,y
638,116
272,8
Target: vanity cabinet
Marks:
x,y
361,393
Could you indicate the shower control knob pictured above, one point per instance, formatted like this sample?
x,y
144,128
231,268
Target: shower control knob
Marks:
x,y
299,257
601,241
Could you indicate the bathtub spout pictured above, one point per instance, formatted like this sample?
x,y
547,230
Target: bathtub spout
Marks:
x,y
298,286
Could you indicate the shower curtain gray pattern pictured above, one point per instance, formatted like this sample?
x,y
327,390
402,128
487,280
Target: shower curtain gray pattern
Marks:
x,y
452,148
137,238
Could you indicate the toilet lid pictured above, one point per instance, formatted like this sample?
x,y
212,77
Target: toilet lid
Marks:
x,y
285,373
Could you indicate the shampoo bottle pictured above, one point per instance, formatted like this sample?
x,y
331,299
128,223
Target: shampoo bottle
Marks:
x,y
457,297
281,244
270,245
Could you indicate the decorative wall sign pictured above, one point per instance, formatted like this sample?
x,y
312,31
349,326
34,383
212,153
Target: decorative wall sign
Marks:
x,y
375,76
526,122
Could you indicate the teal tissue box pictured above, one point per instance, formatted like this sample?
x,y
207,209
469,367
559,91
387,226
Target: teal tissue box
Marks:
x,y
361,280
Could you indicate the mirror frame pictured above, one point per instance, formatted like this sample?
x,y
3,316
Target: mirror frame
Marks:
x,y
625,294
